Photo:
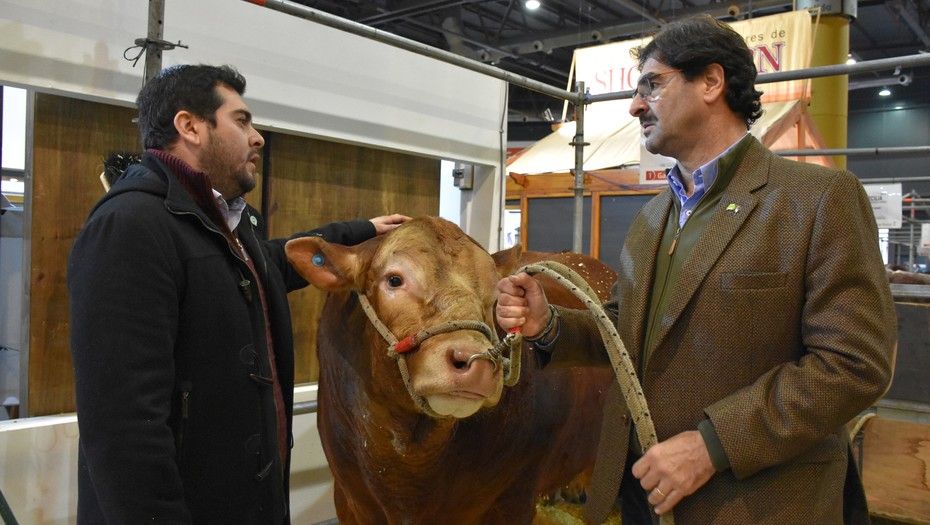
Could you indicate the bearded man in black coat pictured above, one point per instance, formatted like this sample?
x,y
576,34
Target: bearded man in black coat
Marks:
x,y
180,327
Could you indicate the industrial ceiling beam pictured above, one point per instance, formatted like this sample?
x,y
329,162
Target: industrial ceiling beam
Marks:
x,y
486,49
414,10
616,31
640,10
904,10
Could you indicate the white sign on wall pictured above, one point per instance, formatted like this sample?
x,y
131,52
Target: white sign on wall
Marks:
x,y
886,203
653,167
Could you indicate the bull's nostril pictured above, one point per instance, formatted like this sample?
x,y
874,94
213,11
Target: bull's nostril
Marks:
x,y
458,359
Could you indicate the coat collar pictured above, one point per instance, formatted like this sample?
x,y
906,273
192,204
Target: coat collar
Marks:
x,y
153,176
639,255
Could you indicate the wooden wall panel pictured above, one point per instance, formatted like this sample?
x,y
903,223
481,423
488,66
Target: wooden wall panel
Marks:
x,y
72,137
313,182
894,456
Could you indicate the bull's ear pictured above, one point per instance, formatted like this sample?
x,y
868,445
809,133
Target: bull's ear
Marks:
x,y
508,260
327,266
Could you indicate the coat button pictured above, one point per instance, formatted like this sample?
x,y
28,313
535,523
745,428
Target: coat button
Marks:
x,y
247,354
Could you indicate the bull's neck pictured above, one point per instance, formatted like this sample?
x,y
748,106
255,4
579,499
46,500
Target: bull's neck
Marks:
x,y
417,439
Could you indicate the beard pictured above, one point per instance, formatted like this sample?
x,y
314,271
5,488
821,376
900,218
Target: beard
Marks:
x,y
229,177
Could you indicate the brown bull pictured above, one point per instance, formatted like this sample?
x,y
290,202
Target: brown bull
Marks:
x,y
487,451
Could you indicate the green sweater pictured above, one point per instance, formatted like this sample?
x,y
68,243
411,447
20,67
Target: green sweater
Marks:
x,y
675,249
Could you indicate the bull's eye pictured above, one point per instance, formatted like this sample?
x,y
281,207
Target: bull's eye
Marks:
x,y
395,281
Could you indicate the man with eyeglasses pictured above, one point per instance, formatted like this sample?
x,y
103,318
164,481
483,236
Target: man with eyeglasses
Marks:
x,y
751,297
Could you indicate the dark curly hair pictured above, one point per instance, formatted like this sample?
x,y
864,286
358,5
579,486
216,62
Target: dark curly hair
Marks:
x,y
177,88
693,43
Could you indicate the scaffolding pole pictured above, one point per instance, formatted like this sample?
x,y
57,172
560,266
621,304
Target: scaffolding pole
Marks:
x,y
579,144
854,152
155,33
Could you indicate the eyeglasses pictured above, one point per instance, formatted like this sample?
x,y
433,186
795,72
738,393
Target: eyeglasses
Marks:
x,y
647,85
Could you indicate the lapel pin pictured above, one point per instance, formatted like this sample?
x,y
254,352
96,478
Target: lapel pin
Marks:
x,y
253,220
733,207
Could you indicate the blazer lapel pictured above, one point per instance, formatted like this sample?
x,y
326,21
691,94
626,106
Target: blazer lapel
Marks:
x,y
640,250
735,206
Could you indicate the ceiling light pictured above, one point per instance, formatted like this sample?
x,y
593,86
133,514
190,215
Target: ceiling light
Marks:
x,y
532,5
885,92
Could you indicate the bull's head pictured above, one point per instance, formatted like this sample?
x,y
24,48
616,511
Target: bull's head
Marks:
x,y
425,273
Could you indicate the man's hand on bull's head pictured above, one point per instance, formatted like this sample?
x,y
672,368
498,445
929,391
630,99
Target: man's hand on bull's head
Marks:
x,y
386,223
522,303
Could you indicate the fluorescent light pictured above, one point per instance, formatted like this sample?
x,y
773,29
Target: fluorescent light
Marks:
x,y
885,92
532,5
899,107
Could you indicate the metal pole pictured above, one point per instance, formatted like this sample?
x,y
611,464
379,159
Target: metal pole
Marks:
x,y
306,407
851,152
26,264
156,31
349,26
877,180
579,144
910,253
810,72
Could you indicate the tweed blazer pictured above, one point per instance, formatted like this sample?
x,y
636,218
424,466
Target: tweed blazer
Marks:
x,y
780,329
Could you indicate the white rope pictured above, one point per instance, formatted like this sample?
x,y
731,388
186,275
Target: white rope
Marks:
x,y
620,360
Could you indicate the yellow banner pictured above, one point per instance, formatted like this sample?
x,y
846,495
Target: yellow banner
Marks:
x,y
780,43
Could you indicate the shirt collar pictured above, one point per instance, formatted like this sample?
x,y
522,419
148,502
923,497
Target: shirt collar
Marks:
x,y
704,176
231,211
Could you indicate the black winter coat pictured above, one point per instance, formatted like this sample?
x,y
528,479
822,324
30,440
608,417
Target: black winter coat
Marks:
x,y
168,340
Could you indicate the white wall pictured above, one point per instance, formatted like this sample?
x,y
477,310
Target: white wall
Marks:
x,y
303,78
38,469
450,197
